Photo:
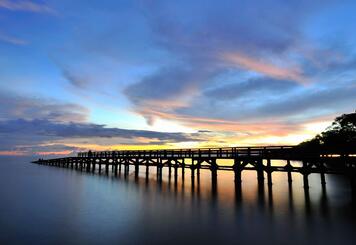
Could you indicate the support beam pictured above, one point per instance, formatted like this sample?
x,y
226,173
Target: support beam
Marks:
x,y
305,173
305,181
170,168
115,168
289,171
137,167
88,165
322,174
269,172
214,169
237,170
259,167
93,165
183,168
106,166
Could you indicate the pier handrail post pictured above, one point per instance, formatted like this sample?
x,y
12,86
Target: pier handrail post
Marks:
x,y
264,152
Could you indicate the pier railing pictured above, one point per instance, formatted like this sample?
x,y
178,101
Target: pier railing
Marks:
x,y
225,152
276,152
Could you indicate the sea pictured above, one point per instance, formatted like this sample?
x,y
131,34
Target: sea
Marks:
x,y
51,205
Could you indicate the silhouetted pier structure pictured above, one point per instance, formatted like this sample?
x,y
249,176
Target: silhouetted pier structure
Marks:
x,y
259,159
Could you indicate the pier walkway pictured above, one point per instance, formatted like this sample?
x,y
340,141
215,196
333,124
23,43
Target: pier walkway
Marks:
x,y
259,159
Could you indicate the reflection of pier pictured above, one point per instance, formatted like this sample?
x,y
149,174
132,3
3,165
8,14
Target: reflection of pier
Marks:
x,y
258,159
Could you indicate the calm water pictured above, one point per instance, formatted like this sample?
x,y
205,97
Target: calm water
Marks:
x,y
41,205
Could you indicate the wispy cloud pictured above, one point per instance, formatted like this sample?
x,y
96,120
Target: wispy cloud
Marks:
x,y
24,5
30,108
75,80
12,40
253,86
264,67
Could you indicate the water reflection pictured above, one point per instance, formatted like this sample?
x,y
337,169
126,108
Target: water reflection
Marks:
x,y
59,205
283,202
285,195
280,197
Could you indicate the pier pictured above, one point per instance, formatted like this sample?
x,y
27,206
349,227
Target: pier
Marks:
x,y
258,159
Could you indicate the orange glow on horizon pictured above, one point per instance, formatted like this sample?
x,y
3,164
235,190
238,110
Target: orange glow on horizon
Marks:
x,y
12,153
46,153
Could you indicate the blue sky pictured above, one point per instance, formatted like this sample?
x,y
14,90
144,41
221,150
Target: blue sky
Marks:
x,y
172,73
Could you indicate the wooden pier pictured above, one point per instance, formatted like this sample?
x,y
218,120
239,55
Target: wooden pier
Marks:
x,y
259,159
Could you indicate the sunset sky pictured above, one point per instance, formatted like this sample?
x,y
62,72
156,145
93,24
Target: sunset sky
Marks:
x,y
111,74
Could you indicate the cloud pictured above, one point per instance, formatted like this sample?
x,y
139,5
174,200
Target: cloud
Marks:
x,y
31,108
48,128
74,79
12,40
25,5
43,150
168,88
234,67
317,100
285,106
328,63
187,50
163,84
260,85
184,54
30,126
204,26
29,135
264,67
207,41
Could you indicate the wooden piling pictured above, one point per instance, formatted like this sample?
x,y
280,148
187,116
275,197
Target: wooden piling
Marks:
x,y
237,170
269,172
305,174
106,166
136,168
322,174
213,169
259,168
115,168
289,171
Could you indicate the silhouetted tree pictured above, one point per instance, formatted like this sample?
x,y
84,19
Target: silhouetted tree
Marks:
x,y
339,137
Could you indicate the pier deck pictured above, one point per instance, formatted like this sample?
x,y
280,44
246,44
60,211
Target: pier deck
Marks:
x,y
259,159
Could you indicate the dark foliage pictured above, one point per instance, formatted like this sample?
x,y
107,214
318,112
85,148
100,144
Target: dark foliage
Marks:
x,y
339,137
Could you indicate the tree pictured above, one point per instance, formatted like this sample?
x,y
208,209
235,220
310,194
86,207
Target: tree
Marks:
x,y
339,137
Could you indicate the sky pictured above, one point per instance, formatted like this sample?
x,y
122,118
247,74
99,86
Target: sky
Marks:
x,y
148,74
